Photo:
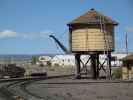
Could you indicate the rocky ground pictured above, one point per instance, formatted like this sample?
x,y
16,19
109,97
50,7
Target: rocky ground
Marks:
x,y
73,89
69,89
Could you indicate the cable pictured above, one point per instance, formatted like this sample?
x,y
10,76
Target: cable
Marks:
x,y
62,34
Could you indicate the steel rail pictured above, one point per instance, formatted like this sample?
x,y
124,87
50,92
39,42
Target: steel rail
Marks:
x,y
22,82
92,82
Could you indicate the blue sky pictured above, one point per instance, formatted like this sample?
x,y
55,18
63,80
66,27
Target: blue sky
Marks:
x,y
24,24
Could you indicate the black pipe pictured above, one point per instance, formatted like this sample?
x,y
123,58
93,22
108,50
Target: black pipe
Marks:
x,y
60,44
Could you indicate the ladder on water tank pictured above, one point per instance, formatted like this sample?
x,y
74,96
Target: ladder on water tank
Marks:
x,y
106,46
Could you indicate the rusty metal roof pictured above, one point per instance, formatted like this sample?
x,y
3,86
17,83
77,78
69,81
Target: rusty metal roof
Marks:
x,y
93,17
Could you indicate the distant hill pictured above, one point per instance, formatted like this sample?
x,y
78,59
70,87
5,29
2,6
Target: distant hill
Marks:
x,y
22,57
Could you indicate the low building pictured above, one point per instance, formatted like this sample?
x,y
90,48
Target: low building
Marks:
x,y
127,68
69,60
63,60
44,60
118,56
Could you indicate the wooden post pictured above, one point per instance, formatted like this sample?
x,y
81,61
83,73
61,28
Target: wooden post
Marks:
x,y
97,64
93,66
77,62
109,62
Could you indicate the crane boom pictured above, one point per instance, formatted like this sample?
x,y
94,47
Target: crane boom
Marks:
x,y
60,44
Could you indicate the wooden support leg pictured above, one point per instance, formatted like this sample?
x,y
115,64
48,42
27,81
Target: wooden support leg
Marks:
x,y
93,66
97,64
77,61
109,58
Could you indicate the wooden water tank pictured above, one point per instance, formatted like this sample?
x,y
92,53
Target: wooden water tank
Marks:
x,y
92,32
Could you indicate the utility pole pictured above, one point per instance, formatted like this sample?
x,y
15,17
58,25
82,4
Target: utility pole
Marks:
x,y
126,45
126,42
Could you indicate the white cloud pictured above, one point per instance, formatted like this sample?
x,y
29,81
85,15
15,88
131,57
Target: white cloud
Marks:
x,y
43,34
11,34
7,34
28,35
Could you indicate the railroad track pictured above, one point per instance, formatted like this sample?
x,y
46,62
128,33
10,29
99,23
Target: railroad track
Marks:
x,y
26,84
6,90
7,93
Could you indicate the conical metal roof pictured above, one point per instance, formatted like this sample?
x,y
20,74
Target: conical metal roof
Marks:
x,y
93,17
